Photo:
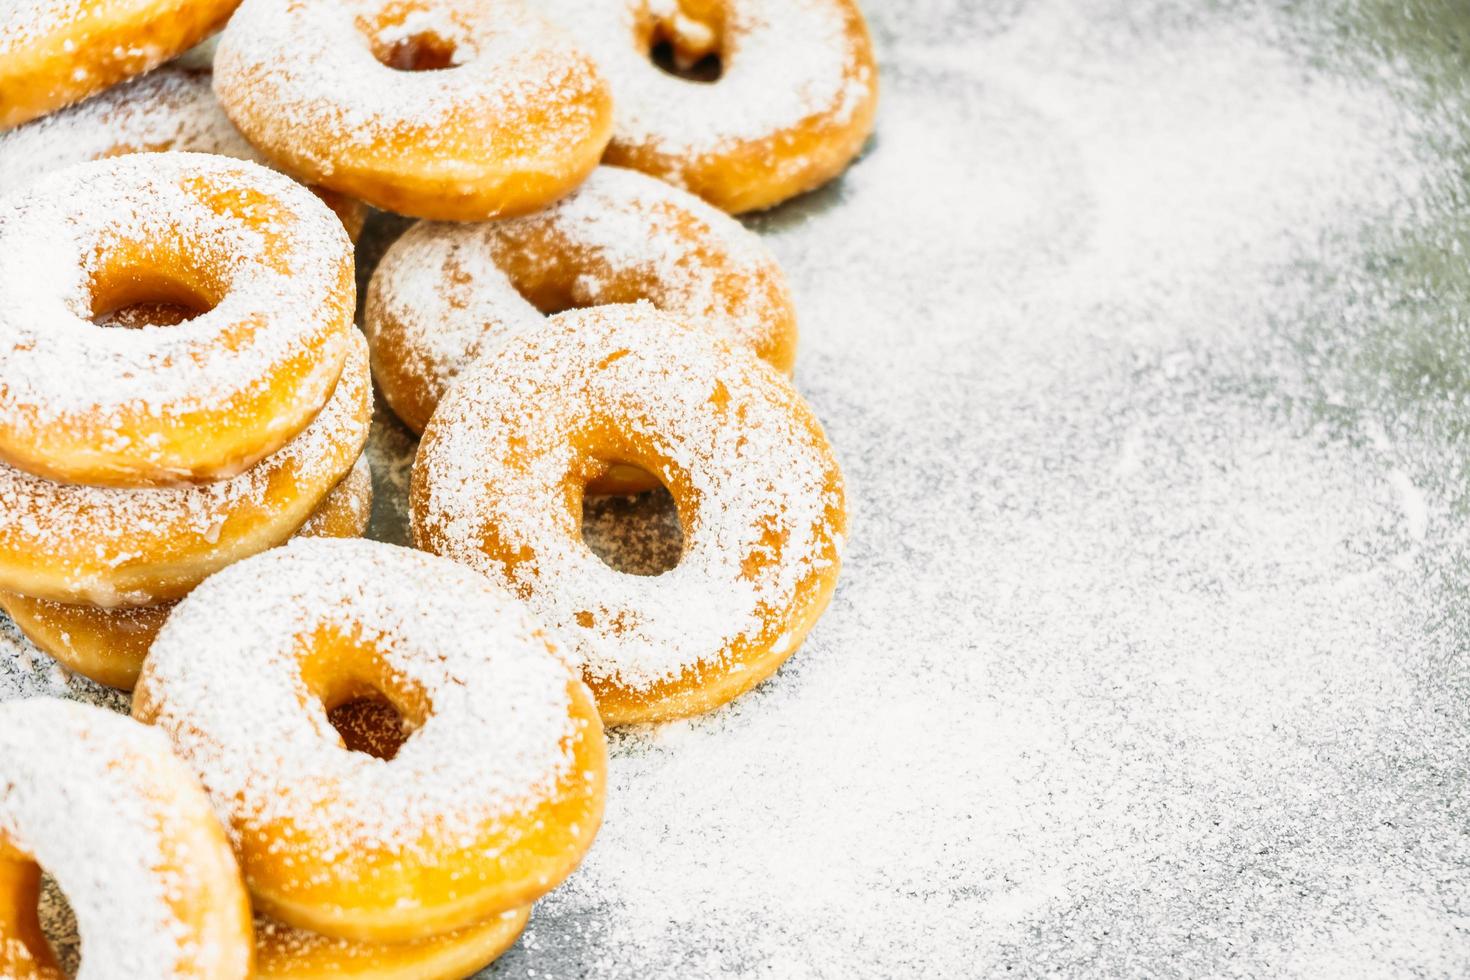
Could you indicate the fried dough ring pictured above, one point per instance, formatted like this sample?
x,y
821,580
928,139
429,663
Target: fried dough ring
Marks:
x,y
201,400
490,802
759,495
516,118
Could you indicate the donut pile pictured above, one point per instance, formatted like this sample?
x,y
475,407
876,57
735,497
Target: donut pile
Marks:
x,y
348,758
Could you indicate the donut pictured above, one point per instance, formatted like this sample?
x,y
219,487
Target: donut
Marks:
x,y
108,645
793,104
170,108
56,52
99,802
444,293
283,953
489,803
106,546
499,479
201,400
337,92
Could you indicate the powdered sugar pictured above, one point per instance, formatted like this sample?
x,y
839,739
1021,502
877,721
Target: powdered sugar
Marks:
x,y
239,710
733,433
100,802
288,67
277,265
442,295
172,108
86,532
784,62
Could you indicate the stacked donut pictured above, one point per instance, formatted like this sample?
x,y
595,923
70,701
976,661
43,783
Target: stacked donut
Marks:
x,y
379,757
180,386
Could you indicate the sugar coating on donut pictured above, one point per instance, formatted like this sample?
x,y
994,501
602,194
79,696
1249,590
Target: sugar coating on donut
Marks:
x,y
784,61
737,431
110,526
80,794
294,67
238,709
442,284
26,23
354,495
171,108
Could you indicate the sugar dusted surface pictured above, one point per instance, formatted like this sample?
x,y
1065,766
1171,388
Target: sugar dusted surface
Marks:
x,y
754,466
116,519
1151,654
70,798
171,108
58,367
241,713
443,287
785,61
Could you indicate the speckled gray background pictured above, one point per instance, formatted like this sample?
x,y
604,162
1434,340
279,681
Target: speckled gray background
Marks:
x,y
1141,333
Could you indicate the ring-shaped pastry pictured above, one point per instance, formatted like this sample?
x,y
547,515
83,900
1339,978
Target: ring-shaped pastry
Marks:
x,y
514,117
502,468
99,802
108,546
443,294
108,645
204,399
794,102
55,52
488,804
170,108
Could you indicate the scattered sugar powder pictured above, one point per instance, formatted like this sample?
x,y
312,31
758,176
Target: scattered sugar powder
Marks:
x,y
238,708
1138,664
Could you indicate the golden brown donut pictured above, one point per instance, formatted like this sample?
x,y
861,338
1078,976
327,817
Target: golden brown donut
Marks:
x,y
56,52
99,802
793,104
514,117
170,108
108,645
270,266
489,803
445,293
110,546
502,467
283,953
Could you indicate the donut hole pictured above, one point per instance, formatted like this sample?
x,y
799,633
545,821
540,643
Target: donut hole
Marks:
x,y
59,925
688,44
636,535
132,299
373,708
425,51
370,724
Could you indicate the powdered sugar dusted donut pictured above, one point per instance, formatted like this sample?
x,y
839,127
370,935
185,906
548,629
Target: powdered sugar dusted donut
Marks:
x,y
793,104
488,804
499,480
110,546
55,52
283,953
203,399
514,118
108,645
171,108
100,803
445,293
